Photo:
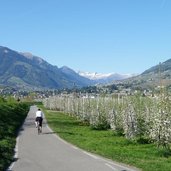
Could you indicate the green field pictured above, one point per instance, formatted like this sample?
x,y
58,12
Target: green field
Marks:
x,y
108,144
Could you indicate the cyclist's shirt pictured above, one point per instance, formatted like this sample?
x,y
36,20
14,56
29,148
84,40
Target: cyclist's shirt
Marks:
x,y
39,114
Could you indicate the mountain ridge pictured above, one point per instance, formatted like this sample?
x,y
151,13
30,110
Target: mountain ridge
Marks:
x,y
23,70
152,78
104,78
26,71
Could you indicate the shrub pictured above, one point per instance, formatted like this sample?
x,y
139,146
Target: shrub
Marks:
x,y
11,117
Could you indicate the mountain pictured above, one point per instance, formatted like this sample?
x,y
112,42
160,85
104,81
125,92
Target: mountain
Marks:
x,y
26,71
161,67
156,76
104,78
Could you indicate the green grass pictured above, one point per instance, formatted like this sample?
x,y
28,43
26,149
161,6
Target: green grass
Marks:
x,y
106,143
12,116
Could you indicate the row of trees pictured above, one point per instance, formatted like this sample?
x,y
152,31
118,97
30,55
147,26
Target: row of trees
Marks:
x,y
136,117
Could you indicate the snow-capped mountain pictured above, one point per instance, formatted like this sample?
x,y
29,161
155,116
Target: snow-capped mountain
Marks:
x,y
104,78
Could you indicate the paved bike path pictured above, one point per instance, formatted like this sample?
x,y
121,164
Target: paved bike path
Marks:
x,y
48,152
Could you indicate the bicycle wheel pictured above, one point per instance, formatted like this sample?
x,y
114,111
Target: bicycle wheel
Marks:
x,y
38,128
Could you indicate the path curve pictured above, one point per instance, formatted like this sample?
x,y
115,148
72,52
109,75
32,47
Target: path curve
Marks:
x,y
48,152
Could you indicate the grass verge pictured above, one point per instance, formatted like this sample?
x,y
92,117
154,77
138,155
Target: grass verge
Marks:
x,y
107,144
12,116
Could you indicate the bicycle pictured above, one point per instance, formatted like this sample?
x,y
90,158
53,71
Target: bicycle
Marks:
x,y
39,126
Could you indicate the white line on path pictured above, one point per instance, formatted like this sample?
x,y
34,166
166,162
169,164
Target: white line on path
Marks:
x,y
118,165
56,135
91,155
110,166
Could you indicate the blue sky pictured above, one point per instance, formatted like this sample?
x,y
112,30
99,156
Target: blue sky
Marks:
x,y
123,36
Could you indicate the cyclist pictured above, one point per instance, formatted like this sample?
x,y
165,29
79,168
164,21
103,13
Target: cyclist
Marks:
x,y
39,118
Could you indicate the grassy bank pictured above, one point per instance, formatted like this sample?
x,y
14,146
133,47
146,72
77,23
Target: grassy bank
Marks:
x,y
106,143
12,116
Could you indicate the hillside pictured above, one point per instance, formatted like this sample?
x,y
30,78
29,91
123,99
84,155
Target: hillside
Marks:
x,y
26,71
158,75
